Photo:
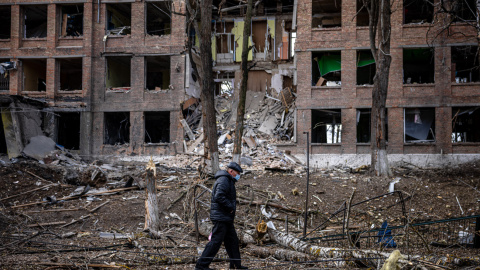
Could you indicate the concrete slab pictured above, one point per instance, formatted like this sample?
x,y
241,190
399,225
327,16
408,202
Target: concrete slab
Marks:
x,y
39,147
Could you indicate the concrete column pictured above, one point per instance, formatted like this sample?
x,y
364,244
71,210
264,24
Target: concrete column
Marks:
x,y
348,139
52,79
52,35
395,130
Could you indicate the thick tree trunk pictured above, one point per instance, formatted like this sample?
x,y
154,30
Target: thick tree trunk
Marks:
x,y
380,11
152,218
237,141
279,254
208,93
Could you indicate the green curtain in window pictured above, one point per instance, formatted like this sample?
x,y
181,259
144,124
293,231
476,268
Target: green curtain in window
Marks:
x,y
365,59
329,63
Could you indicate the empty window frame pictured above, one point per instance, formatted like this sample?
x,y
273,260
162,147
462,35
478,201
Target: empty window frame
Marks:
x,y
4,75
34,74
262,41
417,11
419,124
34,21
157,72
364,117
5,21
465,123
465,10
465,64
362,14
326,68
119,19
68,130
71,20
326,13
326,126
366,67
118,72
157,127
418,66
224,40
224,82
159,18
70,73
117,128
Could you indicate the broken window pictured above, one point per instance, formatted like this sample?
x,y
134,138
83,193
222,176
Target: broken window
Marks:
x,y
159,18
224,41
465,64
118,72
417,11
158,72
119,19
364,125
5,21
262,39
157,127
224,83
4,74
365,67
70,74
68,130
326,13
34,74
35,21
117,128
465,10
326,126
362,14
419,124
71,20
466,121
326,68
418,66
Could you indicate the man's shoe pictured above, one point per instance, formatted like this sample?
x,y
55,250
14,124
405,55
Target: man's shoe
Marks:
x,y
239,267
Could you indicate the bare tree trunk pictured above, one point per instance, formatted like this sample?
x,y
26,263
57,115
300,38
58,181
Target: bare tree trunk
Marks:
x,y
237,146
152,218
208,93
379,12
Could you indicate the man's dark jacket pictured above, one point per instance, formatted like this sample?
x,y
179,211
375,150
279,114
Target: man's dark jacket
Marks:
x,y
224,196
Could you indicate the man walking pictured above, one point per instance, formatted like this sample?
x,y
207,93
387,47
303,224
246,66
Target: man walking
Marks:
x,y
222,214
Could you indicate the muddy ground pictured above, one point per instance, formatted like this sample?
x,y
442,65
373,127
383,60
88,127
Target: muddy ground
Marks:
x,y
426,195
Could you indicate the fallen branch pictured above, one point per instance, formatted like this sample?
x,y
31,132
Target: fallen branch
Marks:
x,y
68,265
288,209
75,221
46,224
27,192
98,207
177,199
55,210
278,253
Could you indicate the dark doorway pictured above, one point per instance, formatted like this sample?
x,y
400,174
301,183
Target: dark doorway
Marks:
x,y
68,130
157,127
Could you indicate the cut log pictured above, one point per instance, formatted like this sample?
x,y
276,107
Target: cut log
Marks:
x,y
296,244
279,254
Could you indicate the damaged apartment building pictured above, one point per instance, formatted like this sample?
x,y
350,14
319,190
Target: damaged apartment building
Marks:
x,y
112,77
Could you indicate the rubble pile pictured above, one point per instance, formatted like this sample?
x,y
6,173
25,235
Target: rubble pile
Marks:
x,y
269,120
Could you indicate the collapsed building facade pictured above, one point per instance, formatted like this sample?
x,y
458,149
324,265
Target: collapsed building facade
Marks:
x,y
112,78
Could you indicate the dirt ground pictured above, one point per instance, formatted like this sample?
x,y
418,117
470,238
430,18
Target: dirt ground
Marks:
x,y
28,242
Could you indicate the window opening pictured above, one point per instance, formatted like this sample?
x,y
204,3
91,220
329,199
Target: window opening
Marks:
x,y
465,64
5,66
34,74
465,123
35,21
326,14
418,66
362,14
366,67
157,127
417,11
159,18
119,19
262,40
5,22
326,126
420,125
158,72
118,72
364,130
68,130
224,83
71,24
71,74
326,68
465,10
117,128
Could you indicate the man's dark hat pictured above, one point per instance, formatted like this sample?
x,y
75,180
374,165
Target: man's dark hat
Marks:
x,y
235,166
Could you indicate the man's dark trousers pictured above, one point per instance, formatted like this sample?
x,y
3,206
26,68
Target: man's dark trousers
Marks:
x,y
222,232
